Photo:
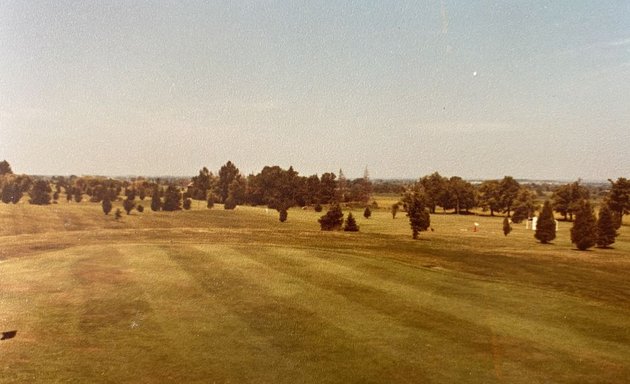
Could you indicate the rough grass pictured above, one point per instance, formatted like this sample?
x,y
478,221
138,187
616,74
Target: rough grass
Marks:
x,y
236,296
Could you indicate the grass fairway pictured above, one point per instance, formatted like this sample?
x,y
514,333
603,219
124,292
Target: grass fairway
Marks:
x,y
236,296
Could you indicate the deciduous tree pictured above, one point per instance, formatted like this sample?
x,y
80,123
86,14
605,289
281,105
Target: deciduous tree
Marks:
x,y
40,193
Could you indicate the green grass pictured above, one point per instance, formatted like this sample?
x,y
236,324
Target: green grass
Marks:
x,y
236,296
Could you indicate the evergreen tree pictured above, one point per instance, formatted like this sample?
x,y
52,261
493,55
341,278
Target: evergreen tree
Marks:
x,y
128,205
418,214
172,199
367,213
546,225
584,230
351,224
156,203
68,194
187,204
507,228
332,220
40,193
606,230
107,205
283,215
210,204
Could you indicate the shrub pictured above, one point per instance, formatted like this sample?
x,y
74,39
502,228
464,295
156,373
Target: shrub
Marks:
x,y
318,207
187,203
210,203
229,203
283,215
140,208
332,220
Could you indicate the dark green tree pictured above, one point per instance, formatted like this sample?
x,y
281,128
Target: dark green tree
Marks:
x,y
332,220
507,228
107,205
5,168
584,230
524,205
283,215
40,193
618,199
187,204
546,224
351,224
606,228
508,190
490,196
367,212
210,204
230,203
436,190
172,199
227,174
567,199
129,204
418,213
78,195
327,188
156,203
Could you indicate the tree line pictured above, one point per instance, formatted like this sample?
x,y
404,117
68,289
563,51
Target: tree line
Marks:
x,y
281,189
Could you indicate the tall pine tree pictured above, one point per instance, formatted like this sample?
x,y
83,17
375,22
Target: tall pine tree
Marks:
x,y
584,230
606,231
546,225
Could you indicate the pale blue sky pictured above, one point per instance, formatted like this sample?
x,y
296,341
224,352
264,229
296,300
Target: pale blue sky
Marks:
x,y
480,89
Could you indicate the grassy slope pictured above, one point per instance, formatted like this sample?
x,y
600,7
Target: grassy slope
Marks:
x,y
239,297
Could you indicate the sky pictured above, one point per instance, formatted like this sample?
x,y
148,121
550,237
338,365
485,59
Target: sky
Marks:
x,y
478,89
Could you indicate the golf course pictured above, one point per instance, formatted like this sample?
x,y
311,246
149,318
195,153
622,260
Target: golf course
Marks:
x,y
235,296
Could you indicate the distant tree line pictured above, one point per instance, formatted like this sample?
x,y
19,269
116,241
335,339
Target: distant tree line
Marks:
x,y
281,189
